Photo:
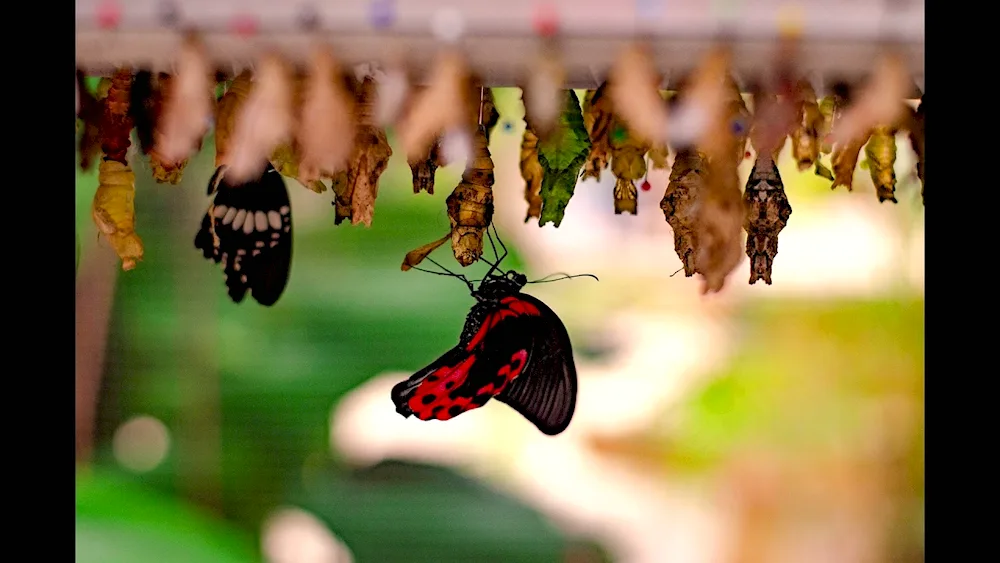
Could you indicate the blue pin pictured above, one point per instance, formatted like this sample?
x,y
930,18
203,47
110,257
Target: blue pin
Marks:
x,y
508,127
738,126
382,13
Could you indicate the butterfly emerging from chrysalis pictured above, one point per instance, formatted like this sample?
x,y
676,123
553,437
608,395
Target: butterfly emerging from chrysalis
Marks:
x,y
513,348
248,226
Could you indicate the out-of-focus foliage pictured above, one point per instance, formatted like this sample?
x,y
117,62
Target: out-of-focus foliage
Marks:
x,y
802,379
121,521
397,511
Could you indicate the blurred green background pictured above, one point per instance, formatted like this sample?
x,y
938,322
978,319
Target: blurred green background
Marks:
x,y
204,421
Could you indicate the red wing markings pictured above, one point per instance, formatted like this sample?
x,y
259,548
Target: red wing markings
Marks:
x,y
514,307
440,396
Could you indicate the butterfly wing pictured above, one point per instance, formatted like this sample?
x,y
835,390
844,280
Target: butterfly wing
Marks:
x,y
501,351
248,229
545,391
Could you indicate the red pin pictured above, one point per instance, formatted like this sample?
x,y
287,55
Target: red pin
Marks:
x,y
546,20
109,14
646,186
244,24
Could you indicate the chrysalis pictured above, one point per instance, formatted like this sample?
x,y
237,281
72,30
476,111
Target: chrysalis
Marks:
x,y
470,205
113,208
532,173
187,106
881,154
114,211
628,164
680,204
264,121
806,135
326,127
766,212
597,118
356,188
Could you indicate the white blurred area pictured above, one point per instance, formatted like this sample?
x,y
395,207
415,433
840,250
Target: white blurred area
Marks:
x,y
667,338
293,535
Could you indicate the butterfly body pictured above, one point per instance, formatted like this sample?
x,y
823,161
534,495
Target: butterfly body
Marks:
x,y
512,348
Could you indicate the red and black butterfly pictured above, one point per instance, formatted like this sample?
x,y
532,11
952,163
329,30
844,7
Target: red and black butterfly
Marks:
x,y
513,348
248,229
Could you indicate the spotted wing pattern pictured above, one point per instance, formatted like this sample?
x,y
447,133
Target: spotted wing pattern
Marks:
x,y
508,357
248,230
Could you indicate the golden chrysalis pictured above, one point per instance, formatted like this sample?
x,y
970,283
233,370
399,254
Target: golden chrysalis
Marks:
x,y
766,211
532,172
470,206
113,210
680,204
628,164
598,116
881,154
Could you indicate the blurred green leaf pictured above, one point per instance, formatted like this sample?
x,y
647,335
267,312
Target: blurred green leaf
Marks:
x,y
561,156
415,513
120,521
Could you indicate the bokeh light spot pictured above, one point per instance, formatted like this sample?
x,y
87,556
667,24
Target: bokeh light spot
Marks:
x,y
141,443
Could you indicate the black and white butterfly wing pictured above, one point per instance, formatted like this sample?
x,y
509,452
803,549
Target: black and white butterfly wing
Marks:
x,y
545,392
248,230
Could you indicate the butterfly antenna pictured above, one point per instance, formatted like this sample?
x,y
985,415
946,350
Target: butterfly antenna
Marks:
x,y
565,277
448,272
677,272
496,266
496,255
500,242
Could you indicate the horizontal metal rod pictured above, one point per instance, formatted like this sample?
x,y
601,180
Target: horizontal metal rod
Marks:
x,y
499,60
